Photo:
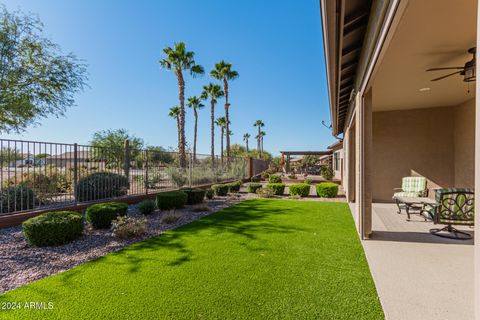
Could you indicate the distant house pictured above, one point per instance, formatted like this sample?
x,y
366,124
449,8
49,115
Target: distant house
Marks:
x,y
337,159
84,158
27,160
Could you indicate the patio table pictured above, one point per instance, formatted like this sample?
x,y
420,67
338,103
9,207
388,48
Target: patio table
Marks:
x,y
413,203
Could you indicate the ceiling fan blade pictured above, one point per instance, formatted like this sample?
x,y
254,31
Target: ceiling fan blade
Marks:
x,y
445,76
447,68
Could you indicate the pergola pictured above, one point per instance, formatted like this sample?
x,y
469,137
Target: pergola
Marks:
x,y
301,153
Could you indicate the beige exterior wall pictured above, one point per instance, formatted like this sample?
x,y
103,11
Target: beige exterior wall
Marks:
x,y
437,143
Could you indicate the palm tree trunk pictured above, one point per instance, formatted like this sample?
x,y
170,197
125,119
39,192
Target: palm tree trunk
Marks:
x,y
195,135
221,145
247,146
181,141
212,131
258,140
227,105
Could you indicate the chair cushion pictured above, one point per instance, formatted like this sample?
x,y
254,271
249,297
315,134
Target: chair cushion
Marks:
x,y
407,194
414,184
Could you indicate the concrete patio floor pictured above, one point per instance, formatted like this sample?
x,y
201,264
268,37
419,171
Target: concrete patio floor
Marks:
x,y
419,275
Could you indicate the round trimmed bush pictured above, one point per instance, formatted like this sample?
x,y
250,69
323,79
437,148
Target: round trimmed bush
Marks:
x,y
194,196
209,194
277,188
146,207
101,215
220,189
299,189
327,189
171,200
275,179
253,187
102,185
53,228
234,186
17,198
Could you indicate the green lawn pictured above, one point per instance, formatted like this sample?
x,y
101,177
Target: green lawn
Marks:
x,y
260,259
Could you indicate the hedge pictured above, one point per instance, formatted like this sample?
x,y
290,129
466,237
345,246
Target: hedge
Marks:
x,y
253,187
53,228
171,200
275,179
220,189
209,193
101,215
327,189
102,185
234,186
277,188
194,196
17,198
299,189
146,207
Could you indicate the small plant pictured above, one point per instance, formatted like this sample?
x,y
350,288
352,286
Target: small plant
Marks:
x,y
234,186
265,193
128,227
171,200
201,208
255,179
277,188
220,189
53,228
274,179
253,187
327,189
146,207
194,196
299,189
102,185
308,181
177,175
265,175
295,197
327,172
209,193
17,198
101,215
171,217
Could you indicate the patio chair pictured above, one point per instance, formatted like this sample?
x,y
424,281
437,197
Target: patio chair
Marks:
x,y
411,187
455,206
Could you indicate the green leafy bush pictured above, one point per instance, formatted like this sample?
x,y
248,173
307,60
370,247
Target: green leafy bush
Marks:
x,y
53,228
327,189
308,181
327,172
275,179
265,193
101,215
171,200
209,193
277,188
234,186
255,179
102,185
253,187
128,227
146,207
17,198
220,189
194,196
177,175
299,189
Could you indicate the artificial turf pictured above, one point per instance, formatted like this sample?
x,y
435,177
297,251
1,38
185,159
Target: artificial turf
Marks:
x,y
260,259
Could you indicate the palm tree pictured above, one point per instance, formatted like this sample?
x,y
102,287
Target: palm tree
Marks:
x,y
262,134
174,112
221,122
246,136
178,59
259,124
223,72
213,91
196,104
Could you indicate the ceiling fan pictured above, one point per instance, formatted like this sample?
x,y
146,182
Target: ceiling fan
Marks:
x,y
467,71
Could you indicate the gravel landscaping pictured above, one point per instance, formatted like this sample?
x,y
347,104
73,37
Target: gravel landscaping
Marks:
x,y
21,264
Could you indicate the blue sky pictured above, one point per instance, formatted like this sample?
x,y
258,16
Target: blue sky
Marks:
x,y
276,46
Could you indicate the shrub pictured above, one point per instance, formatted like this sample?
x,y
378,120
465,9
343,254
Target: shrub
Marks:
x,y
234,186
299,189
265,193
128,227
102,185
177,175
265,175
253,187
53,228
146,207
292,176
201,208
275,179
101,215
327,172
209,193
307,181
277,188
194,196
171,200
171,217
220,189
17,198
255,179
327,189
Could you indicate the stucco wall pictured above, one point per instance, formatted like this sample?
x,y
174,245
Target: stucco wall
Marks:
x,y
464,138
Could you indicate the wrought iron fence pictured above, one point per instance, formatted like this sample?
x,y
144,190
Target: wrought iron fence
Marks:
x,y
40,175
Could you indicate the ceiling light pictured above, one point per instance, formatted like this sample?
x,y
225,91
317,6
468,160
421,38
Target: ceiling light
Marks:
x,y
424,89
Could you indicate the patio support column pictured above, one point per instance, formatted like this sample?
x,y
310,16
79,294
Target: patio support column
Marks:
x,y
363,125
350,164
477,185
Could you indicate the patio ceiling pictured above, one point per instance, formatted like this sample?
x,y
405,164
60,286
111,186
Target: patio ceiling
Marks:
x,y
431,33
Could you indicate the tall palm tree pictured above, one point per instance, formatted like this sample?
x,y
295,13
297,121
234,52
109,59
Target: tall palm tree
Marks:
x,y
259,124
262,134
246,136
178,59
222,123
196,104
223,72
173,113
212,91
